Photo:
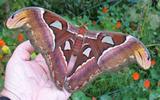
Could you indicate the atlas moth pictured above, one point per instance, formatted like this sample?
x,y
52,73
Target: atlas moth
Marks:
x,y
76,57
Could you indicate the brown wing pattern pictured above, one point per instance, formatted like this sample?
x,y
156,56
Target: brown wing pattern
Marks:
x,y
94,53
110,51
90,68
59,56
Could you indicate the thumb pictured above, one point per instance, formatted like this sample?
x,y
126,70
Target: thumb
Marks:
x,y
23,51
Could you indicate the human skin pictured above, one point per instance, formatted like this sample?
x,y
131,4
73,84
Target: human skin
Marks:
x,y
27,79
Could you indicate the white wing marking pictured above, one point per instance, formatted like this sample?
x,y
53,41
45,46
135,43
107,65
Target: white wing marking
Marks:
x,y
87,52
108,39
67,46
57,24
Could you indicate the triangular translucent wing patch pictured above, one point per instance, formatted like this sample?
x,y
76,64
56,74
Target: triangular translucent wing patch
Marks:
x,y
57,24
108,39
87,52
67,46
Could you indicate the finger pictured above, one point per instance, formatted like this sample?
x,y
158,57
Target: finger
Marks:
x,y
40,58
23,51
41,61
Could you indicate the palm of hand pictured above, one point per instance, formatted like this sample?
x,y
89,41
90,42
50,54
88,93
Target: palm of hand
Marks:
x,y
30,79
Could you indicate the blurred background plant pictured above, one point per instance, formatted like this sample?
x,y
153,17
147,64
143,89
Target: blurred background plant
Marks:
x,y
140,18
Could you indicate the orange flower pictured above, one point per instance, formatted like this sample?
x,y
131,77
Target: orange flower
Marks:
x,y
118,24
104,9
135,76
2,43
94,22
147,84
153,62
20,37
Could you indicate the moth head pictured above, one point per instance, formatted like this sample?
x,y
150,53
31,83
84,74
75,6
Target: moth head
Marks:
x,y
142,55
22,17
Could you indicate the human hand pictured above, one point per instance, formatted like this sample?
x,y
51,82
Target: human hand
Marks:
x,y
27,79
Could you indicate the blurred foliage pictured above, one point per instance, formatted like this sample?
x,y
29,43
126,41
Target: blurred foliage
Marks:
x,y
140,18
70,8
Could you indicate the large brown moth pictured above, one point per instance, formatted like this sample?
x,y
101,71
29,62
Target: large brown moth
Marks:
x,y
73,54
